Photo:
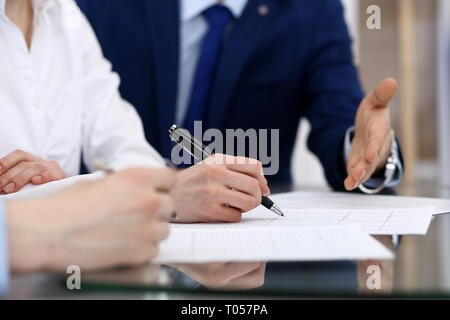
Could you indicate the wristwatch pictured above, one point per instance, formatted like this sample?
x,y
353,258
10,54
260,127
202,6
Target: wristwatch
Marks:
x,y
389,172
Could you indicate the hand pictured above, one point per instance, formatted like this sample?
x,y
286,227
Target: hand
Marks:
x,y
231,276
372,142
219,189
116,221
19,168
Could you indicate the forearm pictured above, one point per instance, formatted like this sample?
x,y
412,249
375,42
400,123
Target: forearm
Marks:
x,y
331,91
29,248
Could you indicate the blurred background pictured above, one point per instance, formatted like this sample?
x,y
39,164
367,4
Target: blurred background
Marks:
x,y
412,46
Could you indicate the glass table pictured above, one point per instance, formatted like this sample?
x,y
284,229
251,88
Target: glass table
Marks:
x,y
421,270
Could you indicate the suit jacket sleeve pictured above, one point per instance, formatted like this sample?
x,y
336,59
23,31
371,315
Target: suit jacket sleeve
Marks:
x,y
331,90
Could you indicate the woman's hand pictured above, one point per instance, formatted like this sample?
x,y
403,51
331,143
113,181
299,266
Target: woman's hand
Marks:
x,y
20,168
117,221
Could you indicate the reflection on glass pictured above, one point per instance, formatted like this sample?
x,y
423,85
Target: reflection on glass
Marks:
x,y
226,276
376,277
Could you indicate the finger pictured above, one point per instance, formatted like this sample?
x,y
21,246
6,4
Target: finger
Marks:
x,y
139,255
38,180
232,271
356,175
243,183
13,159
5,179
226,214
235,270
359,175
382,94
155,231
250,167
373,147
166,209
354,156
239,200
48,175
155,206
253,279
378,148
25,176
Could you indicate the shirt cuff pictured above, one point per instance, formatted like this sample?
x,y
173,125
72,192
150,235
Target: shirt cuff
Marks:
x,y
4,264
376,182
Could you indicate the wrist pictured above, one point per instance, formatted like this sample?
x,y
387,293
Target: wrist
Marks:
x,y
30,247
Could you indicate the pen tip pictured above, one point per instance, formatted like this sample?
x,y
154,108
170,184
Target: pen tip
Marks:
x,y
278,211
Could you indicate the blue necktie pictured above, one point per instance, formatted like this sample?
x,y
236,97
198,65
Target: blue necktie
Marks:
x,y
218,17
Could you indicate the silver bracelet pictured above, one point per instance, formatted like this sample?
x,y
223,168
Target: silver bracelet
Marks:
x,y
389,172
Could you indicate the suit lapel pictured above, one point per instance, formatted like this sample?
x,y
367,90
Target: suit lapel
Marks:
x,y
164,21
242,40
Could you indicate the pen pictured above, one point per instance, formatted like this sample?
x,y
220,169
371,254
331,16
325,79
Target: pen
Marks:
x,y
199,151
100,165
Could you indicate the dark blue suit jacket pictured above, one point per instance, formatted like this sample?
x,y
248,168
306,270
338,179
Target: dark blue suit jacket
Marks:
x,y
296,61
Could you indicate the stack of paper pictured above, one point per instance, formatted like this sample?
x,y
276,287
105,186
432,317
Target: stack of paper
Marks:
x,y
378,215
31,191
344,200
317,226
200,245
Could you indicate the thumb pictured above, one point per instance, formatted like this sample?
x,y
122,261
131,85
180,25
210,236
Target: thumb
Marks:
x,y
383,93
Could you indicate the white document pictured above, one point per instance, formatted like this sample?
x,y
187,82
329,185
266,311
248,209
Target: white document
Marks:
x,y
379,215
201,245
31,191
375,222
345,200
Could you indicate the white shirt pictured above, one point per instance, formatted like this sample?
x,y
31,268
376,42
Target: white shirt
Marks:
x,y
60,98
193,28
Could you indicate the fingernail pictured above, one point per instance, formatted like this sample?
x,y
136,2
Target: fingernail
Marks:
x,y
348,184
9,188
267,192
1,169
37,179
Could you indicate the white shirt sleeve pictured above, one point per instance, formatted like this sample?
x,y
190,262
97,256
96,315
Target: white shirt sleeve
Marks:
x,y
112,129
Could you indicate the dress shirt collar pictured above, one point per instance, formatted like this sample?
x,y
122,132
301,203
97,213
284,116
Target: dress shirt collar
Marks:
x,y
38,5
191,9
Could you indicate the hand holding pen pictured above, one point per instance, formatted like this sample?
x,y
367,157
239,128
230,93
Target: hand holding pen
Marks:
x,y
199,151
